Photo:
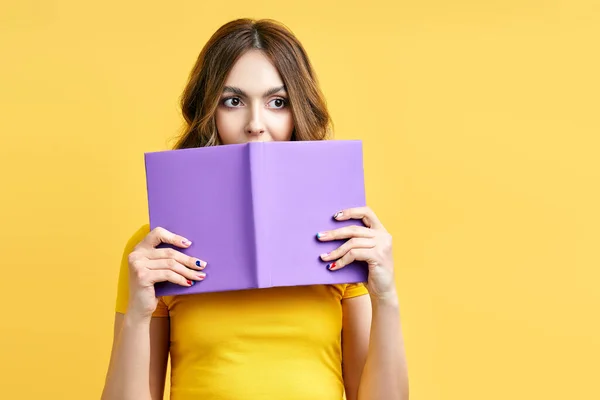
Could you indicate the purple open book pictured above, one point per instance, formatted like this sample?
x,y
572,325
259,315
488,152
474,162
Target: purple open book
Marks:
x,y
252,210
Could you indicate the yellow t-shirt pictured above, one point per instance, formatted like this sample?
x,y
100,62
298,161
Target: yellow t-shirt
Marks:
x,y
276,343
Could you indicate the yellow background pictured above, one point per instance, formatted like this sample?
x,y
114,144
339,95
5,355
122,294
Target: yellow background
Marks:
x,y
480,121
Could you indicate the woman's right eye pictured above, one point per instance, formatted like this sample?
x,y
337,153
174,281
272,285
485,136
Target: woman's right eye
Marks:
x,y
232,102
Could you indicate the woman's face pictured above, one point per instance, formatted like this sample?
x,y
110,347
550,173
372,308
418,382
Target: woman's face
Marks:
x,y
254,104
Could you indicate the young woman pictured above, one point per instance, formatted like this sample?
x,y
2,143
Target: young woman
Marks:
x,y
254,82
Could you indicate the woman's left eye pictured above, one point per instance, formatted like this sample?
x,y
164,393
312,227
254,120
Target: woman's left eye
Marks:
x,y
278,103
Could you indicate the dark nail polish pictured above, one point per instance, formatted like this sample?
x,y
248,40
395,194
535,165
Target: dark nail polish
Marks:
x,y
197,263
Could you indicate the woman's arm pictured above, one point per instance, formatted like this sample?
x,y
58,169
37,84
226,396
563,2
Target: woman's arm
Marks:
x,y
384,374
373,349
138,360
141,331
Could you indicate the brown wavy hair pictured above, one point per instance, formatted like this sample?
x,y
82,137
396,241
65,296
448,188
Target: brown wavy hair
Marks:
x,y
201,95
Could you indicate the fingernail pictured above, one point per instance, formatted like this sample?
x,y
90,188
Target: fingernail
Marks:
x,y
201,275
191,283
331,266
324,255
321,235
338,214
200,263
186,242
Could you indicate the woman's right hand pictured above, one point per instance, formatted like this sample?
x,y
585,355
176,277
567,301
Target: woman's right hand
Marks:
x,y
149,265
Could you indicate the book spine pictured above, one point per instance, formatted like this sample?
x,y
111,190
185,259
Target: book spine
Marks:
x,y
256,160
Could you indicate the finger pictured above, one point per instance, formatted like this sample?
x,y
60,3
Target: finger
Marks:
x,y
346,233
365,214
160,235
349,257
354,243
190,262
166,275
174,266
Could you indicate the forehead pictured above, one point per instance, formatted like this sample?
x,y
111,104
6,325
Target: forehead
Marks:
x,y
253,72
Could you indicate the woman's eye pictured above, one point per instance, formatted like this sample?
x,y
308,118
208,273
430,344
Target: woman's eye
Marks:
x,y
232,102
277,103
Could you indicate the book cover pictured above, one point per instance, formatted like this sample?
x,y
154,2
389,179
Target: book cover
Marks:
x,y
252,210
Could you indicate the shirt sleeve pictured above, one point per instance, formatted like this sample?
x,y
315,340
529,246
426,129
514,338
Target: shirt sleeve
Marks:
x,y
354,290
123,283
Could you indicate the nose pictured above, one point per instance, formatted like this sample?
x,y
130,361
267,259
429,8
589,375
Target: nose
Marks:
x,y
255,125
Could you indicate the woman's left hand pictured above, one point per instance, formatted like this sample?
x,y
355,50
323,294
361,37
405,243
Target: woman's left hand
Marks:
x,y
370,243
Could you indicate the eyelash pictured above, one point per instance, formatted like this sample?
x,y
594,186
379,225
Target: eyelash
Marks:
x,y
285,102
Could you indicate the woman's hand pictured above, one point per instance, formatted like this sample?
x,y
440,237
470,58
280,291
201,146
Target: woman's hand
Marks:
x,y
370,243
149,265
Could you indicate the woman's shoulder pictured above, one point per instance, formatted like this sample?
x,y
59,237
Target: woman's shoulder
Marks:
x,y
135,237
354,290
349,290
138,235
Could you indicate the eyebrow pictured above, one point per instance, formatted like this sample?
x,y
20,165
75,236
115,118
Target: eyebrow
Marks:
x,y
240,92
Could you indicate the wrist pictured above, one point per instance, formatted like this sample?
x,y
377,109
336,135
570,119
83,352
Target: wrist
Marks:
x,y
136,319
387,299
